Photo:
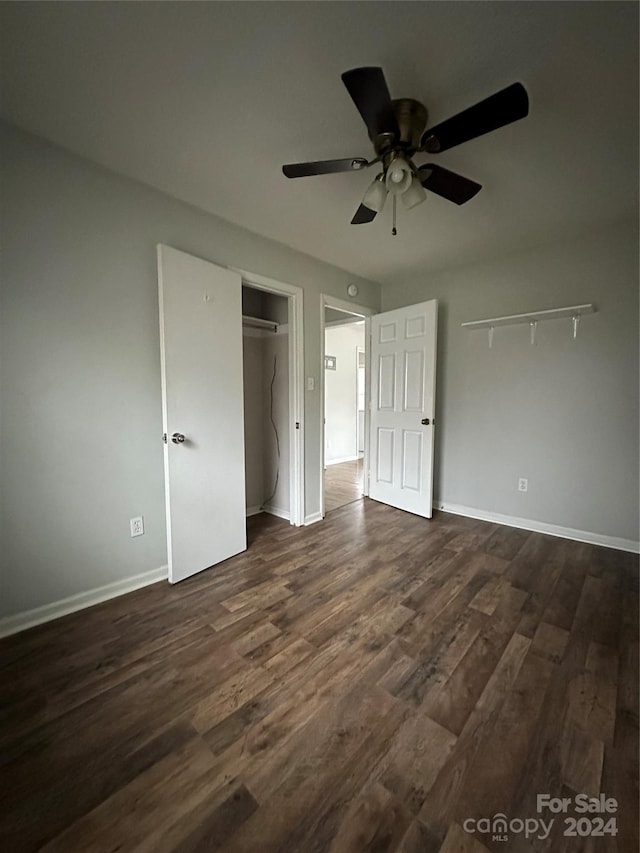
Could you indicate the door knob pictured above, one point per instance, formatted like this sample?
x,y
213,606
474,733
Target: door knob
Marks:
x,y
425,421
177,438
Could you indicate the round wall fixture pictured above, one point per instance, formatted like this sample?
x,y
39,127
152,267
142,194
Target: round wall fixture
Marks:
x,y
352,290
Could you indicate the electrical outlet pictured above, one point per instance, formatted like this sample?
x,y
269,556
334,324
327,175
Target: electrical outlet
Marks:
x,y
137,526
523,484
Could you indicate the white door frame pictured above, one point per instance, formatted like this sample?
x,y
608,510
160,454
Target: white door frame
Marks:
x,y
327,301
359,350
296,388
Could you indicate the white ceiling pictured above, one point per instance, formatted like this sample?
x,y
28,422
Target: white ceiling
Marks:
x,y
206,101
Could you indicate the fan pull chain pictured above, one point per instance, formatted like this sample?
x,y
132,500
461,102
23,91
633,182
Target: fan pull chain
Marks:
x,y
394,230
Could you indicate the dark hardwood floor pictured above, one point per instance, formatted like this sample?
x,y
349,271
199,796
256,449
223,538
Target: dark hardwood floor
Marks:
x,y
342,484
368,683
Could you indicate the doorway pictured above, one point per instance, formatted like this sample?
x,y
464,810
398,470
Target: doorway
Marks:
x,y
344,395
265,362
272,378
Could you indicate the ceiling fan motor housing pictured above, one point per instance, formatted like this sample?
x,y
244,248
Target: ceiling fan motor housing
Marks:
x,y
412,119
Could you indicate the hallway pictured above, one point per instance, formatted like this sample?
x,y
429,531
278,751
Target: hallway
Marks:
x,y
342,484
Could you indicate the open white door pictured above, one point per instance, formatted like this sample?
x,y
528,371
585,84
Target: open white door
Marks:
x,y
403,367
202,411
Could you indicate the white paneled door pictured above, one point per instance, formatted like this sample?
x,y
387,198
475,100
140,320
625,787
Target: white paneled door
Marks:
x,y
403,367
202,410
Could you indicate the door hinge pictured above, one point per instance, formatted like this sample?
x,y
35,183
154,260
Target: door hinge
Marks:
x,y
164,437
297,424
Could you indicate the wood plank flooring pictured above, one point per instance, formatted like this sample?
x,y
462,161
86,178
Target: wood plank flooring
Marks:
x,y
342,484
364,684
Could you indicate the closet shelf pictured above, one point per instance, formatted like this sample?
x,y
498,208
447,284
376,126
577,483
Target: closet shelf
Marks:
x,y
531,317
258,323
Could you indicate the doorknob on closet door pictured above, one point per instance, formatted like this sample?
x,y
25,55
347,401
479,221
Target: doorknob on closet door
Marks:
x,y
177,438
425,422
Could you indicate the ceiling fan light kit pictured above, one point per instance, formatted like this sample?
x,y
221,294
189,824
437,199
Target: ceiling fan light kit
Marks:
x,y
397,130
376,195
398,175
414,194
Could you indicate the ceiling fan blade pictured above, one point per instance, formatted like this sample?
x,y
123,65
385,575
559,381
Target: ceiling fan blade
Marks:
x,y
447,184
362,215
370,94
500,109
324,167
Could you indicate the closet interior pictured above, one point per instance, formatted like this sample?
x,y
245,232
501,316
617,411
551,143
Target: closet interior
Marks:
x,y
265,346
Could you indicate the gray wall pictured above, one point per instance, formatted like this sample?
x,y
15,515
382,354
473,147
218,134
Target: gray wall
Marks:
x,y
81,422
266,306
275,349
563,413
263,464
254,428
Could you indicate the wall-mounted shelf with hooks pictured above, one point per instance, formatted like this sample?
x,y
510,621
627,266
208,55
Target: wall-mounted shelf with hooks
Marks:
x,y
533,318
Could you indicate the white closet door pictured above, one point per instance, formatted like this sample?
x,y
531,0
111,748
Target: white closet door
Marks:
x,y
203,416
403,366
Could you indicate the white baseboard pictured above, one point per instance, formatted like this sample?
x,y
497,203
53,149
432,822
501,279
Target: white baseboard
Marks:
x,y
341,460
541,527
274,510
271,510
313,518
48,612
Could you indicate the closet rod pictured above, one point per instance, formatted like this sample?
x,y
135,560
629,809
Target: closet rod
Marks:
x,y
258,323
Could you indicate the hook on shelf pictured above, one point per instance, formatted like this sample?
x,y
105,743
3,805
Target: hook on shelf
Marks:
x,y
575,322
533,326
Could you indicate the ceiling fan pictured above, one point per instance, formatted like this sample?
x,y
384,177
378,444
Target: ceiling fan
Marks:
x,y
397,130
